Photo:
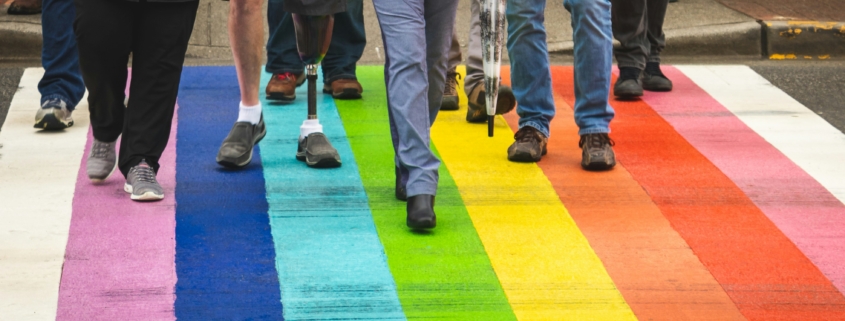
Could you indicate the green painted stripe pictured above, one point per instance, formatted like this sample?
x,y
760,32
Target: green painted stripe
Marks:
x,y
444,274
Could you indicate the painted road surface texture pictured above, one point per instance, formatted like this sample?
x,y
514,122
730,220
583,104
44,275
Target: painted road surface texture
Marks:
x,y
726,204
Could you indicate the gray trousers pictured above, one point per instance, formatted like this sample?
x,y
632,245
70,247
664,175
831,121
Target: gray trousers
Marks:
x,y
638,25
416,35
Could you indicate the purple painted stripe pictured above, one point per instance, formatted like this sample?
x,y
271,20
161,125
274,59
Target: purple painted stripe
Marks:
x,y
807,213
119,263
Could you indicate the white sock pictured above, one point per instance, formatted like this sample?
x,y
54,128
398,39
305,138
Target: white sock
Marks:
x,y
251,114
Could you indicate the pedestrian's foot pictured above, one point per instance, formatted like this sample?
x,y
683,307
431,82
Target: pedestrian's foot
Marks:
x,y
628,85
477,111
53,115
450,92
236,150
654,79
141,183
597,152
24,7
421,212
283,86
401,189
529,145
316,151
344,89
101,161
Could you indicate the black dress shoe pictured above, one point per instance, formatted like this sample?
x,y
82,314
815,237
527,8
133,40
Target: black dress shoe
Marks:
x,y
421,212
401,191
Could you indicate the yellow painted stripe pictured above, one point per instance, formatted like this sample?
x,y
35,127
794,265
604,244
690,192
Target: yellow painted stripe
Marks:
x,y
544,263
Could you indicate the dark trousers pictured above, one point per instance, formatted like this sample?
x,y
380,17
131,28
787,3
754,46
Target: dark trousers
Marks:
x,y
348,42
638,25
156,34
59,54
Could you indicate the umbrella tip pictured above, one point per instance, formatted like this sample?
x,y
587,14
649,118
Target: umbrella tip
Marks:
x,y
490,123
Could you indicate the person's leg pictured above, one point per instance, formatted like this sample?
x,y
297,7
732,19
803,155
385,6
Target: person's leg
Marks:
x,y
282,57
593,61
439,36
62,81
160,40
346,48
450,90
653,77
630,22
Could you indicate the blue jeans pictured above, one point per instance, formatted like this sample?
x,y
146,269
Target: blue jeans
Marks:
x,y
530,75
62,78
348,42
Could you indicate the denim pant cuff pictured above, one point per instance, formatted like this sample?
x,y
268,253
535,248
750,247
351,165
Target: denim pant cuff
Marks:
x,y
594,130
57,96
537,126
284,70
331,79
420,189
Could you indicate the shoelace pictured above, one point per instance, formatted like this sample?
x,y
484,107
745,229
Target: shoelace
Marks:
x,y
100,149
452,86
525,135
596,140
144,173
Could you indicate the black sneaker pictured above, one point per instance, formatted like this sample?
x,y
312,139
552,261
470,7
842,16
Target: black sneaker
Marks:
x,y
530,145
628,85
450,92
597,152
653,78
420,209
316,151
477,111
236,150
53,115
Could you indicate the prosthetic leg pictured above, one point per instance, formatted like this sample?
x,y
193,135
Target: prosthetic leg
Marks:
x,y
313,36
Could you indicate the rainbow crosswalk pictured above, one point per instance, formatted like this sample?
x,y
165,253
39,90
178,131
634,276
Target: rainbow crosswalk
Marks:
x,y
727,204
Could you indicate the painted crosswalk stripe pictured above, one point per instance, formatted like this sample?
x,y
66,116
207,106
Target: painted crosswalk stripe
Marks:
x,y
445,274
801,207
225,258
38,171
547,268
330,260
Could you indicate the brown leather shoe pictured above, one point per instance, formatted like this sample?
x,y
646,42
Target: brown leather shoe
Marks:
x,y
24,7
344,89
283,86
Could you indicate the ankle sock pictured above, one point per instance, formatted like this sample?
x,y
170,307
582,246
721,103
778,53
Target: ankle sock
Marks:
x,y
251,114
629,73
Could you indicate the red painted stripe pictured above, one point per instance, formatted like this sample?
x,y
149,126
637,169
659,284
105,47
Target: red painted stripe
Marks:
x,y
761,270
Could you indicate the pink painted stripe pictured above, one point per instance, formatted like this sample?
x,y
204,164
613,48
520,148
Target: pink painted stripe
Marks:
x,y
810,216
119,263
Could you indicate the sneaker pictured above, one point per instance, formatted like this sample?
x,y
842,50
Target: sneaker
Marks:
x,y
141,183
283,86
450,92
53,115
597,152
316,151
101,161
344,89
236,150
628,85
477,111
529,145
653,78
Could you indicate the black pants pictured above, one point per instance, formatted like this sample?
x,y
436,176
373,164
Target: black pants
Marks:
x,y
638,25
156,34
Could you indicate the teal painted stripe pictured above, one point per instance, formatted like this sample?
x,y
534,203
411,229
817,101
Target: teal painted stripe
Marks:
x,y
331,263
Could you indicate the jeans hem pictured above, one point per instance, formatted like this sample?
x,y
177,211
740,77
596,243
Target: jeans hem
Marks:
x,y
537,126
60,97
281,71
328,81
594,130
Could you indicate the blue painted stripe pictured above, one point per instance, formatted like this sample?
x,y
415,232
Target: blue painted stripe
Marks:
x,y
331,262
225,258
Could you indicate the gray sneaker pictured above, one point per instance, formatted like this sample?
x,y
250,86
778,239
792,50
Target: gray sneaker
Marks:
x,y
316,151
53,115
101,161
141,183
236,150
597,152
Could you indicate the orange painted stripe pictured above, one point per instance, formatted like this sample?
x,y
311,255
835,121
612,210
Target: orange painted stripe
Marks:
x,y
765,275
652,266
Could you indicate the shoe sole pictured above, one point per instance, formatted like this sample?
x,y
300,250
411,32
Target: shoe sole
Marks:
x,y
657,88
146,197
281,97
449,103
233,163
50,122
328,162
98,180
422,225
598,166
526,157
348,93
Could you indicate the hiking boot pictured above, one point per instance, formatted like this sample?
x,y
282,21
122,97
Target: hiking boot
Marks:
x,y
344,89
597,152
450,92
24,7
628,85
236,150
477,111
529,145
53,115
101,161
420,209
316,151
283,86
141,183
653,78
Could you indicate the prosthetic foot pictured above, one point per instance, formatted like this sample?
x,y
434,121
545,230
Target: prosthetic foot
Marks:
x,y
313,35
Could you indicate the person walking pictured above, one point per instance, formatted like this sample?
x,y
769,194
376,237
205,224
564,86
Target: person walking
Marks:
x,y
638,25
